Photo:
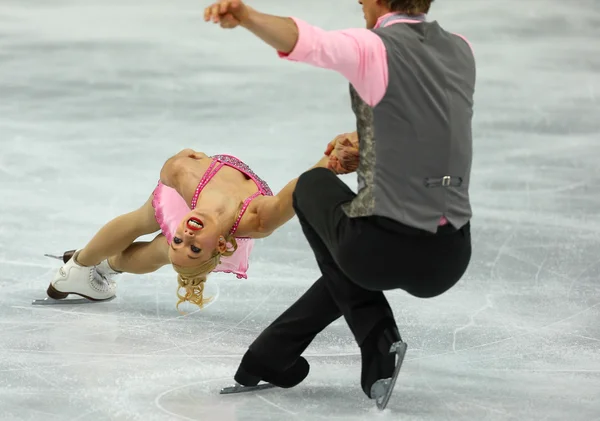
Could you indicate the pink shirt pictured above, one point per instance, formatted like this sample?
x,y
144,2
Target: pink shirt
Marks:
x,y
358,54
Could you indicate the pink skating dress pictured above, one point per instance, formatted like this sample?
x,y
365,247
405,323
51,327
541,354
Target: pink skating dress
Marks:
x,y
170,208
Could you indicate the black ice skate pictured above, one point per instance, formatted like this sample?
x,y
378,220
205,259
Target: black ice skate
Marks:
x,y
238,388
251,372
382,389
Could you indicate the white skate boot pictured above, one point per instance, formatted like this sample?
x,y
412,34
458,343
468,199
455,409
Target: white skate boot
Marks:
x,y
106,271
85,281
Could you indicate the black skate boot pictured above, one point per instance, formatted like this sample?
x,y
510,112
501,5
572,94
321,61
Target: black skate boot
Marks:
x,y
251,372
382,356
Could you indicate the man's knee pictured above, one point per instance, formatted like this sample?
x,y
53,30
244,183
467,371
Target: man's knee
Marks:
x,y
307,184
313,178
431,289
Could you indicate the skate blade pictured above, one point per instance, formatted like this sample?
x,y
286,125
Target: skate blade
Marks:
x,y
67,301
67,255
238,388
382,389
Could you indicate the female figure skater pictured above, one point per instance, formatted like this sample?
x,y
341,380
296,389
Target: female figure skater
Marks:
x,y
208,211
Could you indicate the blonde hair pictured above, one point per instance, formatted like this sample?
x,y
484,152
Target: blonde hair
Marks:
x,y
192,279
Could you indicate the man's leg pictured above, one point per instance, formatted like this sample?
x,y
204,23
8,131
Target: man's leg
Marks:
x,y
275,356
289,335
282,343
279,347
317,202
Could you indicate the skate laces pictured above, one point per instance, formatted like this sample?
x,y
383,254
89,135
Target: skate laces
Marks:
x,y
98,281
106,270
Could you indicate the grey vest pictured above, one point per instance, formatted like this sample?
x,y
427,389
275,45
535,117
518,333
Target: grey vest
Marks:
x,y
416,143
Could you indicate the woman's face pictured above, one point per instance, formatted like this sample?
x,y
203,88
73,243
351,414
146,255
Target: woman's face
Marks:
x,y
195,240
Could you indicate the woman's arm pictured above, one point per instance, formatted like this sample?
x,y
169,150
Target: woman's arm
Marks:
x,y
271,212
176,167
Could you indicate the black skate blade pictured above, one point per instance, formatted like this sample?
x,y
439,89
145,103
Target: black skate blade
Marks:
x,y
238,388
382,389
67,301
67,255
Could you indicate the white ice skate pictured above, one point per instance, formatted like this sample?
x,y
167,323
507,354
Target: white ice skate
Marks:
x,y
103,268
106,271
85,281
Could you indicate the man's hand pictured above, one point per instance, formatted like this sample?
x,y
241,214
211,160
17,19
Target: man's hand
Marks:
x,y
352,137
343,153
228,13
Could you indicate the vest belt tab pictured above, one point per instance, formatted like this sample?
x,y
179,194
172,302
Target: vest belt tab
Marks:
x,y
445,181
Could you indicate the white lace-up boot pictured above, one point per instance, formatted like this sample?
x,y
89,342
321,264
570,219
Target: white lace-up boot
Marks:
x,y
106,271
85,281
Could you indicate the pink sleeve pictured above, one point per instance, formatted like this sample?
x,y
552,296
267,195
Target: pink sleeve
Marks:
x,y
358,54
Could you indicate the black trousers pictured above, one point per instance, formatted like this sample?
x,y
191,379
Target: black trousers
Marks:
x,y
358,258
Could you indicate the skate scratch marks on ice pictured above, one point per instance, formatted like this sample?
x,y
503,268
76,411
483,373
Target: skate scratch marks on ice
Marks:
x,y
578,278
163,394
488,304
276,406
531,332
499,254
217,335
569,317
488,297
518,355
540,268
150,323
30,264
34,370
84,415
549,370
47,366
214,337
154,355
436,393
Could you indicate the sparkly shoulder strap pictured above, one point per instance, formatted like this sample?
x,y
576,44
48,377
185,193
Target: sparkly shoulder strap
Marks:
x,y
242,211
208,175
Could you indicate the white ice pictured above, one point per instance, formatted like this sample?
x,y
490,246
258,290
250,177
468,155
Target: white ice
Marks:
x,y
95,96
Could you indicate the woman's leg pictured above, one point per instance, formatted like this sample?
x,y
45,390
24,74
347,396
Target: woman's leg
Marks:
x,y
118,234
142,256
79,276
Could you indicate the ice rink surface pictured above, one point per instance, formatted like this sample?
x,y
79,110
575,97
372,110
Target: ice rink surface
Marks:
x,y
95,96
